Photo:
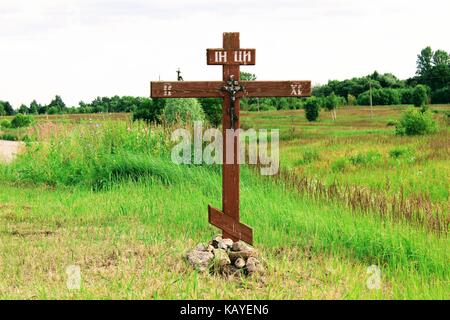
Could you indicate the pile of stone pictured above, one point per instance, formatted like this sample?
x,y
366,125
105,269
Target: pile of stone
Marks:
x,y
225,257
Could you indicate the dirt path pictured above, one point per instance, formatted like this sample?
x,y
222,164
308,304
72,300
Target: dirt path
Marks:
x,y
9,149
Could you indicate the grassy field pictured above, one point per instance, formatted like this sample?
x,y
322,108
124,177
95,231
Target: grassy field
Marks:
x,y
106,197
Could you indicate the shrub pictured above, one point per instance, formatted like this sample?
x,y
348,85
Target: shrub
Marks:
x,y
310,155
20,121
400,152
391,123
5,124
339,165
149,111
441,95
183,110
382,97
312,108
420,95
331,102
212,107
416,122
370,158
406,95
9,137
351,100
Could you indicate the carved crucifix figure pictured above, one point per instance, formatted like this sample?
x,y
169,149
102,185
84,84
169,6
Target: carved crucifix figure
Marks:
x,y
231,89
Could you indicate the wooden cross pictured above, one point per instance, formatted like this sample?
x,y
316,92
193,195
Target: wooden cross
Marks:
x,y
231,89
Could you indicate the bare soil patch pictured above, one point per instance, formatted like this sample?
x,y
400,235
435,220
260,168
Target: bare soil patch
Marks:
x,y
9,150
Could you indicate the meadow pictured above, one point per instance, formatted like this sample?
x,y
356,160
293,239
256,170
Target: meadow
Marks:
x,y
102,193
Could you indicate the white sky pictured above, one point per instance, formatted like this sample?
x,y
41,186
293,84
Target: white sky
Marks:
x,y
81,49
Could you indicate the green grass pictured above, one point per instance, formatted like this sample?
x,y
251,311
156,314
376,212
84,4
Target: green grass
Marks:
x,y
108,198
162,221
424,172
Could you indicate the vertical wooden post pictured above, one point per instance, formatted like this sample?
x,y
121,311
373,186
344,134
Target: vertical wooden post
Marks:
x,y
230,172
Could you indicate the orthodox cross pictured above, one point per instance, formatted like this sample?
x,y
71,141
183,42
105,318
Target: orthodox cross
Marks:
x,y
179,77
231,89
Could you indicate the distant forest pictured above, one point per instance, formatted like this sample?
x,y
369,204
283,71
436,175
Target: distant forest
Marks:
x,y
432,78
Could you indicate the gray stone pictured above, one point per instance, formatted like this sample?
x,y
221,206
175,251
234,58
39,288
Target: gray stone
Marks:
x,y
222,245
200,247
200,260
230,270
215,241
241,246
221,258
228,243
254,266
239,263
245,254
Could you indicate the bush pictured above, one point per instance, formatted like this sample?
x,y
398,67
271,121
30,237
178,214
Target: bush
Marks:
x,y
309,155
400,152
339,165
406,95
5,124
183,110
381,97
212,107
416,122
20,121
312,106
441,95
9,137
351,100
370,158
420,96
332,101
391,123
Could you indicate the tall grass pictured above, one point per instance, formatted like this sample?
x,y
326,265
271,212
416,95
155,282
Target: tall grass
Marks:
x,y
111,155
94,155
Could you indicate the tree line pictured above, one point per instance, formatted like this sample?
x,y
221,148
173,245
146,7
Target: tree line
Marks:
x,y
431,84
432,76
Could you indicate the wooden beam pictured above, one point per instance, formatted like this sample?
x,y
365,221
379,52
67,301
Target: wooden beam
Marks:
x,y
231,57
233,229
186,89
276,88
230,172
213,89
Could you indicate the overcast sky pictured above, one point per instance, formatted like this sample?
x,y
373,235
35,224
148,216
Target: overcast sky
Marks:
x,y
81,49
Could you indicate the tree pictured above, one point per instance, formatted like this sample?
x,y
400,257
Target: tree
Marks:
x,y
424,61
212,107
416,122
440,57
34,107
24,109
149,110
420,95
331,103
21,120
57,105
312,106
7,108
247,76
435,72
183,111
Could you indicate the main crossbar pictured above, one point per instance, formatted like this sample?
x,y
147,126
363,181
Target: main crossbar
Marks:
x,y
213,89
